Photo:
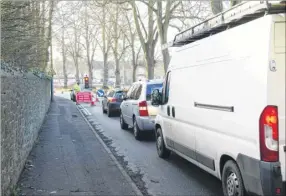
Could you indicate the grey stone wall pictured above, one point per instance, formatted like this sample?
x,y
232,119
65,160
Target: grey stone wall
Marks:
x,y
25,99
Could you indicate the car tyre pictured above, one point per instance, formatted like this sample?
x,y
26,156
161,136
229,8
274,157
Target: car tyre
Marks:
x,y
122,123
103,110
109,113
136,131
232,183
162,151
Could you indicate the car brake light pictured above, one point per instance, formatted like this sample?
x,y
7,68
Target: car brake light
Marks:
x,y
143,110
269,134
113,100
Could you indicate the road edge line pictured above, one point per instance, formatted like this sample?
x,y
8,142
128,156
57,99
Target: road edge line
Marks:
x,y
122,170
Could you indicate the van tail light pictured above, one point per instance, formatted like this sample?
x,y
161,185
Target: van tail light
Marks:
x,y
269,134
143,110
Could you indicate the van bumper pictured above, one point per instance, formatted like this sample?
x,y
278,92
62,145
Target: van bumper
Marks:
x,y
146,123
261,178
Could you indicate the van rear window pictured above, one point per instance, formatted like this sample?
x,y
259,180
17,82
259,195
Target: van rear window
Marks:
x,y
279,36
150,88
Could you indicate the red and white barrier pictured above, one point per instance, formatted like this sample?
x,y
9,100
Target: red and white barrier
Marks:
x,y
85,97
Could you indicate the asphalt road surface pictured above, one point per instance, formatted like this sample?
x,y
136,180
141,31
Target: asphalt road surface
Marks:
x,y
152,175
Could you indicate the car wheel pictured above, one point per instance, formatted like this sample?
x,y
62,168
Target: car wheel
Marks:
x,y
109,113
232,183
103,110
162,151
136,131
122,123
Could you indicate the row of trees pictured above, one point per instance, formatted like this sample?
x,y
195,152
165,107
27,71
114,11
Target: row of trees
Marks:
x,y
118,29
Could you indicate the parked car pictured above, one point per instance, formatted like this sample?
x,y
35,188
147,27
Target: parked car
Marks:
x,y
222,106
136,109
111,102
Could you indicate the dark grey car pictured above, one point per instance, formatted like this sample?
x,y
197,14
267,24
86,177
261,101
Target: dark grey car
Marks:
x,y
111,102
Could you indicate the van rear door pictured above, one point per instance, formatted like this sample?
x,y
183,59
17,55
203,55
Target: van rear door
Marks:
x,y
276,81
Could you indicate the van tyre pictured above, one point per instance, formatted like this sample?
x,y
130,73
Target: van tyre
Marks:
x,y
123,125
162,151
232,183
136,131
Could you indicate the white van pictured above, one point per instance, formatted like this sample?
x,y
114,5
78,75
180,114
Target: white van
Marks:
x,y
222,105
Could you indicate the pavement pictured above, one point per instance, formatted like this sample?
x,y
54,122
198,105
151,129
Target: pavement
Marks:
x,y
69,158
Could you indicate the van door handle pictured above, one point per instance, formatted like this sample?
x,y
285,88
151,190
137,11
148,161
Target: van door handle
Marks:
x,y
168,110
173,111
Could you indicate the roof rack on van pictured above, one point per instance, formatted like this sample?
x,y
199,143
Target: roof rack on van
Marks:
x,y
237,15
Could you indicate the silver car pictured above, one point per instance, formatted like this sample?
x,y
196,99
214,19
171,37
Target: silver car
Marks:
x,y
136,109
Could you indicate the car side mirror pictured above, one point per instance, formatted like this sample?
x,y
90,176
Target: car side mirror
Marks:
x,y
156,98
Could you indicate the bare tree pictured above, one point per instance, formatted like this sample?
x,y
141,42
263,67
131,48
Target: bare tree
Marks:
x,y
118,39
90,41
61,21
74,36
101,16
131,36
148,37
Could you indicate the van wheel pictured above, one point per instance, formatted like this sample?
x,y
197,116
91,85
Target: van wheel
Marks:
x,y
136,131
162,151
232,183
123,125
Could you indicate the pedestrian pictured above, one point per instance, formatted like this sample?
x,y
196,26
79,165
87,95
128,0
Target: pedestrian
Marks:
x,y
76,89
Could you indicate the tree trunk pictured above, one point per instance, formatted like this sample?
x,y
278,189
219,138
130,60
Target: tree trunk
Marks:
x,y
105,69
117,74
149,57
49,38
150,69
64,59
90,74
163,29
166,59
76,69
89,63
134,74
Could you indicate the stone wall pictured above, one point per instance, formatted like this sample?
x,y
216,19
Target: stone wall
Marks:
x,y
25,99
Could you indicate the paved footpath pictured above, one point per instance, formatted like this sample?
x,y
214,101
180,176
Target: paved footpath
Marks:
x,y
68,159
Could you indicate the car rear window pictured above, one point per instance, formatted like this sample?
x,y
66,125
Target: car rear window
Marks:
x,y
150,88
118,94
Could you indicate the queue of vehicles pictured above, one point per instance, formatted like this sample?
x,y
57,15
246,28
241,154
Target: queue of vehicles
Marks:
x,y
221,105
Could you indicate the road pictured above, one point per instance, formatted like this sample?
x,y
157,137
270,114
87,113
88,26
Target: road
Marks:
x,y
153,175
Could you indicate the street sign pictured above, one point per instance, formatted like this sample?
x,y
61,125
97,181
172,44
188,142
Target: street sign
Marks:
x,y
100,93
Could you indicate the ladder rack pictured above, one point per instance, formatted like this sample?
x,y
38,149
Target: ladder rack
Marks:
x,y
239,14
